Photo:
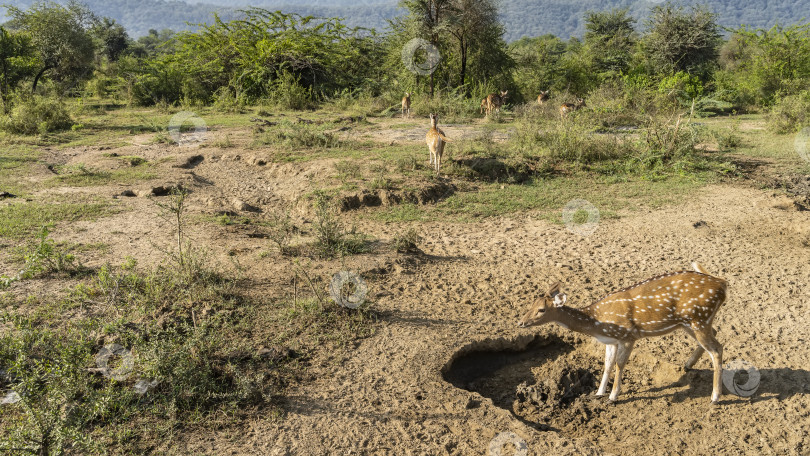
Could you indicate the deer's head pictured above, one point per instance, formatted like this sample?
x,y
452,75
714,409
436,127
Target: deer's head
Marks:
x,y
543,308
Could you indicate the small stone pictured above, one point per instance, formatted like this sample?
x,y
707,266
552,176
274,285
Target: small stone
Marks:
x,y
240,205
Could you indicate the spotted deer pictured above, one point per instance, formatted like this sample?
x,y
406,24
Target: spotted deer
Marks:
x,y
435,140
406,104
494,101
565,108
657,306
543,97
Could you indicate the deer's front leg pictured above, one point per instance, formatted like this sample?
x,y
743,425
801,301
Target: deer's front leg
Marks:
x,y
622,355
610,360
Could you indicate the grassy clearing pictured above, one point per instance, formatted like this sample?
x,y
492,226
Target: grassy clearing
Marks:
x,y
15,164
81,176
24,218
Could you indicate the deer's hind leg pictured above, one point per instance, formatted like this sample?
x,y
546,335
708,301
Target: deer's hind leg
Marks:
x,y
699,350
610,361
622,356
705,337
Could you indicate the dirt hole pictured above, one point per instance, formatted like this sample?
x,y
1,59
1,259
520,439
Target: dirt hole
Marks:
x,y
537,382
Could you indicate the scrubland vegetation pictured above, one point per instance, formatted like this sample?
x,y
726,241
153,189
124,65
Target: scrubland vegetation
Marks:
x,y
665,101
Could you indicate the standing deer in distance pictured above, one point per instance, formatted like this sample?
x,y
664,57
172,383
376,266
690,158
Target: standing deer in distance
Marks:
x,y
435,139
494,101
406,104
657,306
565,108
543,97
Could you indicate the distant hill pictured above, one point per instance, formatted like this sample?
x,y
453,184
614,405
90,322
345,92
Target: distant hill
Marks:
x,y
563,18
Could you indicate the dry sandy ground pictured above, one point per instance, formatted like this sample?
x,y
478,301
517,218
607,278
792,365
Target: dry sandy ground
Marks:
x,y
448,370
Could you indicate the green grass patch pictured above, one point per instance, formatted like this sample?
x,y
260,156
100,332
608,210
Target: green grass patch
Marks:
x,y
21,219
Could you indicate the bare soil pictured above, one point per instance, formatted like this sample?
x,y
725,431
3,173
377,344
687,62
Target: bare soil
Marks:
x,y
448,370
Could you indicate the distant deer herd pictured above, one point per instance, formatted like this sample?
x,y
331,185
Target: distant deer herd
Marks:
x,y
436,139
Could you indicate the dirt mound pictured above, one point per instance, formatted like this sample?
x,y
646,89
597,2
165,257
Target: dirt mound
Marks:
x,y
430,193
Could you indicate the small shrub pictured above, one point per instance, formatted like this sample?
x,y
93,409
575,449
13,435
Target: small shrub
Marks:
x,y
728,139
37,115
790,113
407,242
281,231
331,237
286,92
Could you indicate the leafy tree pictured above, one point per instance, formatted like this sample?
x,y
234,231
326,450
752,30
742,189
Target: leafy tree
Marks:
x,y
60,36
474,24
680,40
429,18
610,38
111,37
153,43
769,62
16,62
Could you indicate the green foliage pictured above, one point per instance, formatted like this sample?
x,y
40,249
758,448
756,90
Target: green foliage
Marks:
x,y
57,402
60,36
331,238
17,62
790,113
35,114
681,85
468,37
680,40
763,65
610,38
111,38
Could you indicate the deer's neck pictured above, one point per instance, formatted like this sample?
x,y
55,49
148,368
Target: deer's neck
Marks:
x,y
584,323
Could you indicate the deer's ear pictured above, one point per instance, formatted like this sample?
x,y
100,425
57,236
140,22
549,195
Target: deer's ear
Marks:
x,y
553,290
560,299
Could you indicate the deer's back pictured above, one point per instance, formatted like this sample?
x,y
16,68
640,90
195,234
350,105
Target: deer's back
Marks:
x,y
660,304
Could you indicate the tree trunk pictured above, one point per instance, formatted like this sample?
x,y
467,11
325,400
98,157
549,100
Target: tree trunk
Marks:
x,y
39,75
463,49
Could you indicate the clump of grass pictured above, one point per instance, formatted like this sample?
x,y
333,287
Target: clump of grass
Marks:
x,y
280,233
347,169
298,136
407,163
728,139
224,142
407,241
331,238
380,181
43,256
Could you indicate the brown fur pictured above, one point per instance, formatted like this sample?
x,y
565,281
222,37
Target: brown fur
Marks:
x,y
435,139
543,97
406,104
565,108
494,101
657,306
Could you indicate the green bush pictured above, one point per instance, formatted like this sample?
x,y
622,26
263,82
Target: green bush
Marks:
x,y
36,115
790,113
681,85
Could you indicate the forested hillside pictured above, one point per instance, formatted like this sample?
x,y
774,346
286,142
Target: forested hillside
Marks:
x,y
563,18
